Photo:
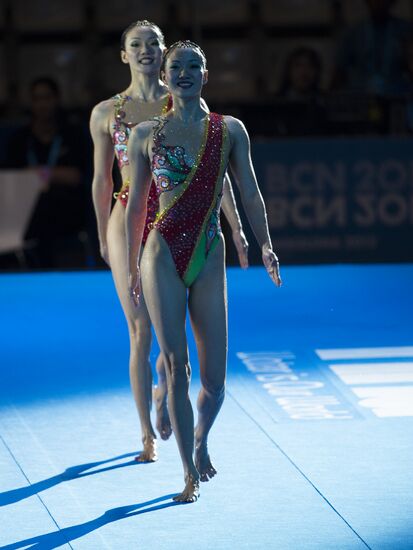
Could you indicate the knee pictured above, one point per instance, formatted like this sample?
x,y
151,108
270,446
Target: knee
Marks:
x,y
214,387
140,333
177,367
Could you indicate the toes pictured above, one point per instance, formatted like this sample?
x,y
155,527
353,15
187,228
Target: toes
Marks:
x,y
142,458
206,470
185,499
208,474
165,433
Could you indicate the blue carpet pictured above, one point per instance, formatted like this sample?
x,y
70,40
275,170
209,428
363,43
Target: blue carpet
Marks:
x,y
313,445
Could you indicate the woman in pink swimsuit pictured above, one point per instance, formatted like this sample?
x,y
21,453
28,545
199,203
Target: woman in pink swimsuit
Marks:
x,y
142,45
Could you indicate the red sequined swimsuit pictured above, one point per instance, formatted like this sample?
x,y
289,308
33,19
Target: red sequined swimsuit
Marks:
x,y
120,138
190,224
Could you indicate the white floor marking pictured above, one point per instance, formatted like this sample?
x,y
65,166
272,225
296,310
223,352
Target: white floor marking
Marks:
x,y
365,353
387,401
374,373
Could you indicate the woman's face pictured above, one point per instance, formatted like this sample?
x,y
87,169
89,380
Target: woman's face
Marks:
x,y
302,74
185,72
143,50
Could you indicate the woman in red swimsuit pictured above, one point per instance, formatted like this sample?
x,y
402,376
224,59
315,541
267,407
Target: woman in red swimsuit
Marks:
x,y
142,45
186,153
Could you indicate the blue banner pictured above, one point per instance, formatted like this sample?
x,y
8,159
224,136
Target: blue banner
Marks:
x,y
338,200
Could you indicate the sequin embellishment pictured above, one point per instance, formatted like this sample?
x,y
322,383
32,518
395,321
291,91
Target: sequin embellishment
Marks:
x,y
120,140
122,129
190,224
169,166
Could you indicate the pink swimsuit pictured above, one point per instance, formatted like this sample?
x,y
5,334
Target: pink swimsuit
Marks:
x,y
120,138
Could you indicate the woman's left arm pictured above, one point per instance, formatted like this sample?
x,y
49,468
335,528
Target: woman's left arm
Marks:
x,y
242,168
229,207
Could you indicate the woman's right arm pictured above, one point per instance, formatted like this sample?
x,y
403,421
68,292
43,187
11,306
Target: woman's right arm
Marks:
x,y
102,185
140,182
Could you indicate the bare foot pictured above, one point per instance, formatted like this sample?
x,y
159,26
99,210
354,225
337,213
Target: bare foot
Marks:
x,y
163,422
191,491
203,462
149,451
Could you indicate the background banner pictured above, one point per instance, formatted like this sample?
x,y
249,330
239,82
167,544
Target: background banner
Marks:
x,y
338,200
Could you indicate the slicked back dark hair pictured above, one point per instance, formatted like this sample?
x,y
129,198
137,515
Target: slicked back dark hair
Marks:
x,y
140,24
182,44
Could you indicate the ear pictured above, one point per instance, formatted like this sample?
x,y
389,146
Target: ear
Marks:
x,y
163,77
124,57
205,79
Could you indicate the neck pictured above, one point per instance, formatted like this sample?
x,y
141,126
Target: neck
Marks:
x,y
188,110
146,87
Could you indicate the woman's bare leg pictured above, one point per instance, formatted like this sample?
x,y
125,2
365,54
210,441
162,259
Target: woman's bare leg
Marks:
x,y
208,311
166,298
163,422
140,336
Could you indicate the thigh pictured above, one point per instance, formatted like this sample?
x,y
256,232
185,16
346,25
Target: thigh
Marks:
x,y
166,298
119,267
208,313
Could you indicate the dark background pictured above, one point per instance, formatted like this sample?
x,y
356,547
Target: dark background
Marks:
x,y
341,142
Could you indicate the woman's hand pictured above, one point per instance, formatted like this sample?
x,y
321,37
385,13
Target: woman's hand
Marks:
x,y
271,263
241,244
134,281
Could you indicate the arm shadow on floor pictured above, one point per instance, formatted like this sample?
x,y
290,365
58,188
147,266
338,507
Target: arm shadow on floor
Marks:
x,y
58,538
74,472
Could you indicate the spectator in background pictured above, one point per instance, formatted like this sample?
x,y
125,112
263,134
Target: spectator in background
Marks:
x,y
301,79
369,57
56,151
301,110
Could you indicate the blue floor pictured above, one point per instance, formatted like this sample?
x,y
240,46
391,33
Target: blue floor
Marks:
x,y
314,443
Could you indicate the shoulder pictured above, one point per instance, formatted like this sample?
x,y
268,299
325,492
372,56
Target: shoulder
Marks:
x,y
234,123
236,128
102,112
143,130
140,135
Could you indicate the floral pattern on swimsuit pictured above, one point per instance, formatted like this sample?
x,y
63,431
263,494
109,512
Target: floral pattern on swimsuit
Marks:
x,y
120,138
169,166
121,131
